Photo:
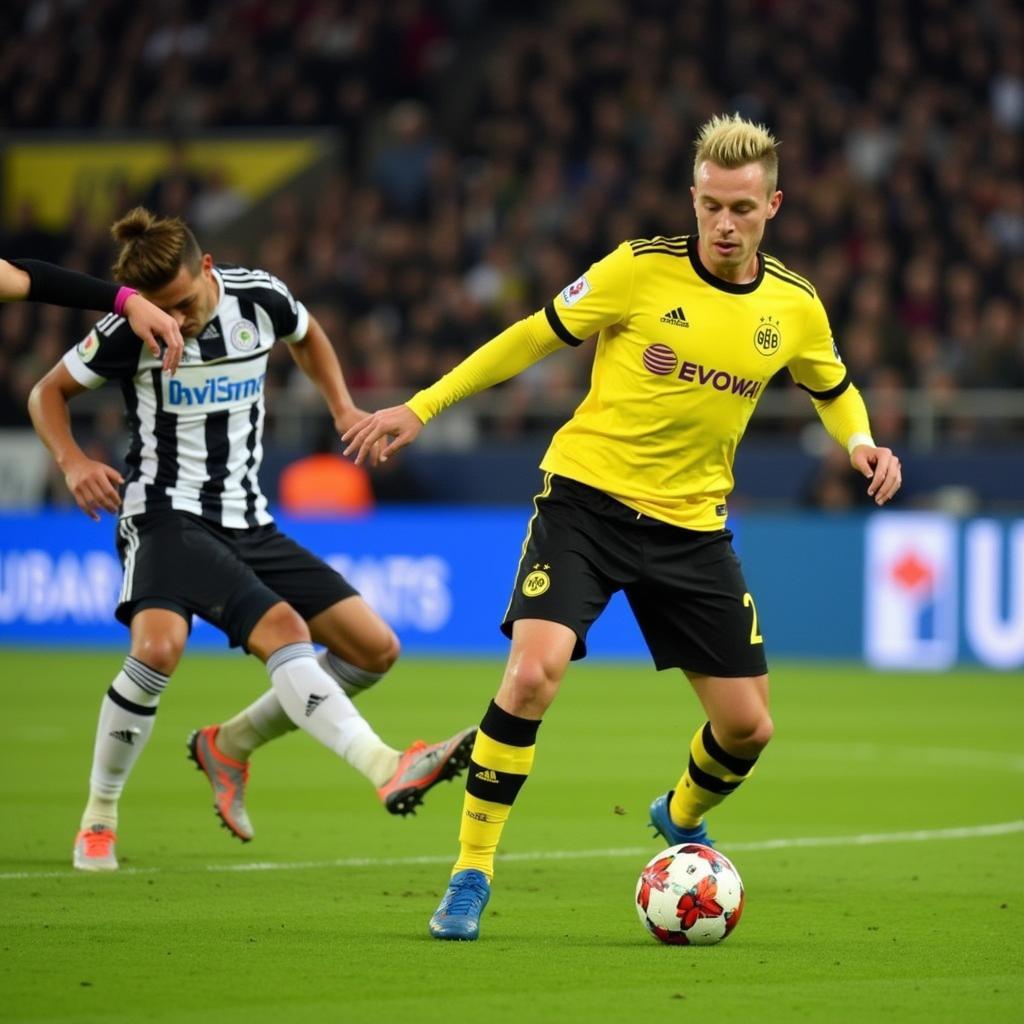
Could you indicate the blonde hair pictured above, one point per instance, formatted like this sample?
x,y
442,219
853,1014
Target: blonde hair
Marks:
x,y
153,249
731,141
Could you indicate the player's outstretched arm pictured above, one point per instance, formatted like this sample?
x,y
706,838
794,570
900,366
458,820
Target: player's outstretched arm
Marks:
x,y
43,282
399,424
93,484
511,352
881,467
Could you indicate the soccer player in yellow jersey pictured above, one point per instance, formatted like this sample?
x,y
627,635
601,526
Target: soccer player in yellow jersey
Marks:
x,y
689,332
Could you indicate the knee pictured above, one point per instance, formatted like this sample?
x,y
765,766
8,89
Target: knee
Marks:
x,y
159,652
381,652
747,736
534,679
279,626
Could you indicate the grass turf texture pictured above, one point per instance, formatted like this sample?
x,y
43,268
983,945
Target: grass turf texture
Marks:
x,y
898,931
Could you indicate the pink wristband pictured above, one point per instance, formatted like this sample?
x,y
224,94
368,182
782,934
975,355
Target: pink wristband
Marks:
x,y
123,295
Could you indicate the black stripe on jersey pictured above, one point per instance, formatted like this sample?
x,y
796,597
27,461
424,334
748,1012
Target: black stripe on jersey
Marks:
x,y
675,242
247,308
559,328
217,451
665,252
165,429
789,280
250,445
830,393
215,347
133,459
781,267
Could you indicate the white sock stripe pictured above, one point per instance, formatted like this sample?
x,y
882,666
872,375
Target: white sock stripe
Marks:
x,y
345,671
144,677
288,653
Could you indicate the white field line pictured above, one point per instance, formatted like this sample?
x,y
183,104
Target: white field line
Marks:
x,y
1004,828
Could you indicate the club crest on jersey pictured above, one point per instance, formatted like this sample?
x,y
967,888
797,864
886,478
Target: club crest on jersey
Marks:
x,y
88,347
768,337
575,291
244,336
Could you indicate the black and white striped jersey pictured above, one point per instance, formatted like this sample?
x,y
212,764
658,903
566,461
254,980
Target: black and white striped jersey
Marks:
x,y
196,437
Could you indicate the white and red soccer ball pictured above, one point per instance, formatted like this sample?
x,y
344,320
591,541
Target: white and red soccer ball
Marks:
x,y
689,895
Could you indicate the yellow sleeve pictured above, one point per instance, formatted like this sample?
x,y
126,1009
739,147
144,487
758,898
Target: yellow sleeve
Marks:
x,y
816,367
517,347
599,298
845,418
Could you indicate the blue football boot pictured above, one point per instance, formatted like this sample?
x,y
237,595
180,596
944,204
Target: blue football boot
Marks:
x,y
458,914
673,834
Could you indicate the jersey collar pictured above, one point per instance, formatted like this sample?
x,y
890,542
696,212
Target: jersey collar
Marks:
x,y
716,282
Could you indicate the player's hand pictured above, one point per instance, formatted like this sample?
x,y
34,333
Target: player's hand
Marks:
x,y
881,467
153,325
399,424
353,418
94,486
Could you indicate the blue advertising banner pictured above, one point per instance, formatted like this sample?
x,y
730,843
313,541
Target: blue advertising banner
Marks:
x,y
902,590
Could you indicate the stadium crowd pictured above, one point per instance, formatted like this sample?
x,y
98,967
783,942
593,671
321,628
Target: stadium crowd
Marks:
x,y
490,152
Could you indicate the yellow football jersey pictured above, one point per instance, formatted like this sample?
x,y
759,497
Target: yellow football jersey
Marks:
x,y
682,359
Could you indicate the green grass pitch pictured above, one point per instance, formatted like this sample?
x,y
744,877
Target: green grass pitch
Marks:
x,y
860,906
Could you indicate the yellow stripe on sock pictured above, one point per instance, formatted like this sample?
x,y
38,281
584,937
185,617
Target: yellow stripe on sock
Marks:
x,y
489,753
707,763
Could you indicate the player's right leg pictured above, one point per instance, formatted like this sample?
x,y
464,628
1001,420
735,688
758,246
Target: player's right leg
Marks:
x,y
500,763
127,716
359,649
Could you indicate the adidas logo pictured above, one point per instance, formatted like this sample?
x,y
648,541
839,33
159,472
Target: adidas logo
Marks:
x,y
675,316
487,775
315,700
125,736
210,332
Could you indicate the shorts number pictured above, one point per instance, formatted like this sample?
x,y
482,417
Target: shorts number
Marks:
x,y
755,637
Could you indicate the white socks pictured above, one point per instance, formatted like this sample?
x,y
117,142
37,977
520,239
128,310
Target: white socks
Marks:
x,y
315,702
352,679
127,716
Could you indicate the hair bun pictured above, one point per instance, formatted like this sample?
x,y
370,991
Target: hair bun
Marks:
x,y
133,224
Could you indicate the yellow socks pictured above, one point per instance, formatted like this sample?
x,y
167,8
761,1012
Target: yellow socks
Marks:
x,y
712,774
501,760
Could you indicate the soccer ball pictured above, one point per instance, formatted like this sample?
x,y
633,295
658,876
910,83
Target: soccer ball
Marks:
x,y
689,895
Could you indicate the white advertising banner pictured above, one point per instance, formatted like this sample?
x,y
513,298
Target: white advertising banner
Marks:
x,y
910,591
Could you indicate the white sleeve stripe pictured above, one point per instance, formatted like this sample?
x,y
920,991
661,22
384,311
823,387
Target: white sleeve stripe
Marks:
x,y
109,323
301,328
73,361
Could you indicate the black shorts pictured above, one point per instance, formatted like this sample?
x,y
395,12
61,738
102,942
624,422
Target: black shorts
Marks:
x,y
229,577
685,587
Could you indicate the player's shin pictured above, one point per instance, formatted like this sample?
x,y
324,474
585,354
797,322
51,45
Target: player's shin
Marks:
x,y
499,765
318,706
711,775
127,716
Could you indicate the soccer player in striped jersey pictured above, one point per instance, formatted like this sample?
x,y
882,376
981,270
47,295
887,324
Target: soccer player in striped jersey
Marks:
x,y
690,330
195,536
38,281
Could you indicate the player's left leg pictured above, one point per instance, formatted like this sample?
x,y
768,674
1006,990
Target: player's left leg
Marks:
x,y
723,753
695,612
359,648
127,715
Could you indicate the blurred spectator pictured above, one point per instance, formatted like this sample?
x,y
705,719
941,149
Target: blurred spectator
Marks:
x,y
518,143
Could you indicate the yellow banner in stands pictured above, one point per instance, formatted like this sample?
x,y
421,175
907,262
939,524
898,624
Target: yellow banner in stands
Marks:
x,y
61,179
